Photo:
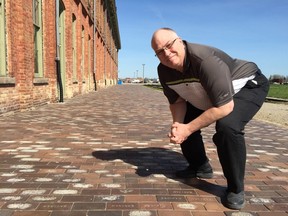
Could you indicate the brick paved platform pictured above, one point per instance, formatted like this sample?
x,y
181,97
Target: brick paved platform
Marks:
x,y
107,154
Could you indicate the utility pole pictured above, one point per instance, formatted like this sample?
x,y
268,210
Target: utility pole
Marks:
x,y
143,71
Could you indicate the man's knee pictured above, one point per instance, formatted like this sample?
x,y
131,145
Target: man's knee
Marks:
x,y
226,130
227,125
235,121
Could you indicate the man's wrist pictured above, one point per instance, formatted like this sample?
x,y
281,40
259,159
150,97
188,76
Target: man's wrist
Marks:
x,y
190,128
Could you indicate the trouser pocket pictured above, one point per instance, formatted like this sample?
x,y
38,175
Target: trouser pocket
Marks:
x,y
255,90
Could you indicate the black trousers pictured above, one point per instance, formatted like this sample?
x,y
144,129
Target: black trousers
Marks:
x,y
229,136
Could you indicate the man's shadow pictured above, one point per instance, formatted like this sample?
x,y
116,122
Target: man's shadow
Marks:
x,y
151,161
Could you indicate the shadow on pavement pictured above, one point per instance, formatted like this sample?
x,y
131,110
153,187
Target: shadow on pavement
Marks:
x,y
151,161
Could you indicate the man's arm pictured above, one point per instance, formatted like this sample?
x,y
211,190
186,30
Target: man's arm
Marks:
x,y
182,131
210,116
178,110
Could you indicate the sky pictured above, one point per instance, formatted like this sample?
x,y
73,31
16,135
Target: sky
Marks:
x,y
253,30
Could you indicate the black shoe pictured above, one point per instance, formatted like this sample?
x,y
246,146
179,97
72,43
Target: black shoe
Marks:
x,y
204,171
235,201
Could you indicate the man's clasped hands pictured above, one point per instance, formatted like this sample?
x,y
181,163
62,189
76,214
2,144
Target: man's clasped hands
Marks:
x,y
179,133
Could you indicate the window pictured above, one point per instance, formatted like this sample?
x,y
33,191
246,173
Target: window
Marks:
x,y
89,56
83,54
74,46
2,39
38,52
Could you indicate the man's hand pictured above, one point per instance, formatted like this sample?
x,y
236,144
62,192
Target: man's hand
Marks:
x,y
179,133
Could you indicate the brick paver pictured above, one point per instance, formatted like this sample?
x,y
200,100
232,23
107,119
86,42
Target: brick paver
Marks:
x,y
107,154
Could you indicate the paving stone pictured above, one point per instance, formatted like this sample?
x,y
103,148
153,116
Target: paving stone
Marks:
x,y
170,198
31,213
240,213
68,213
107,154
272,213
277,207
88,206
208,213
104,213
54,206
188,206
140,213
122,206
173,213
141,198
155,205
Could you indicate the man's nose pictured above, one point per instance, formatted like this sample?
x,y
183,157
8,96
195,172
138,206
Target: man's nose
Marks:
x,y
166,51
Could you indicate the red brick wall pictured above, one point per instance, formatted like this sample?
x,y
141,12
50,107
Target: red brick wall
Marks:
x,y
23,90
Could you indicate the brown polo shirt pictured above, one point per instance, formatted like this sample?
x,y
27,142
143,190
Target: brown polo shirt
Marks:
x,y
210,77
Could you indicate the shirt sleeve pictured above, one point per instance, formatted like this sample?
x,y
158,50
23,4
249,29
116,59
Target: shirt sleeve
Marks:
x,y
170,94
216,79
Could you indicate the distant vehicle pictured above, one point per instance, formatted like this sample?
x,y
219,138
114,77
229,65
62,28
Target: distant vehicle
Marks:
x,y
136,81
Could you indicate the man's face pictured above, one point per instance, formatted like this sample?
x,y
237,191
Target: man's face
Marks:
x,y
169,48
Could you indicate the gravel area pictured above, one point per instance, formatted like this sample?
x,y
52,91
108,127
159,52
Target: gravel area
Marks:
x,y
275,113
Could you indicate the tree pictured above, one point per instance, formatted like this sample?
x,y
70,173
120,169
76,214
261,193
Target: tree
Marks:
x,y
276,78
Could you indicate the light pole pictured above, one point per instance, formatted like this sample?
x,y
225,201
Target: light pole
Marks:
x,y
143,71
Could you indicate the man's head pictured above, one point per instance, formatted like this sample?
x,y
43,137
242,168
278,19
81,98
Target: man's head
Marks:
x,y
169,48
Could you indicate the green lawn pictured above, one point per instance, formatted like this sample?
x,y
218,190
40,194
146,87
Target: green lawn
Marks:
x,y
278,91
275,91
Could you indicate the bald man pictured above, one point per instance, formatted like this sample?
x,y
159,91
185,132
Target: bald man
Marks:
x,y
205,85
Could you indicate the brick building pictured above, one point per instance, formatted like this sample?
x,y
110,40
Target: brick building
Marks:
x,y
53,50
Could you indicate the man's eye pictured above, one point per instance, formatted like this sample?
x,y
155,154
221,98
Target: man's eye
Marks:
x,y
160,52
169,45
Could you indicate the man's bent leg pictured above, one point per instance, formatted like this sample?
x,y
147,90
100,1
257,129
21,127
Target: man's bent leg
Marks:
x,y
194,151
193,147
232,153
229,138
